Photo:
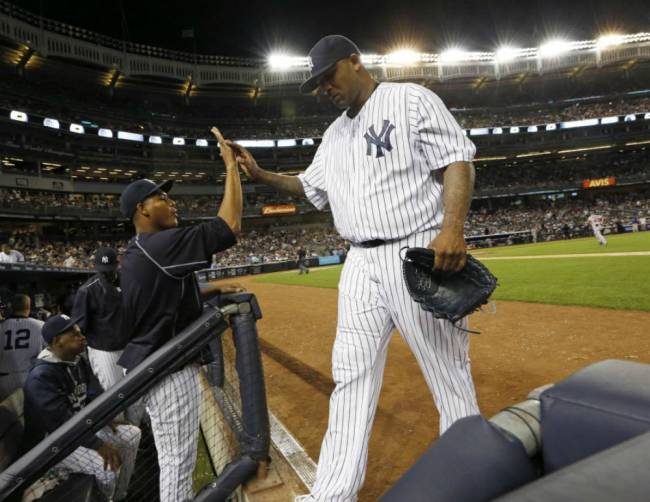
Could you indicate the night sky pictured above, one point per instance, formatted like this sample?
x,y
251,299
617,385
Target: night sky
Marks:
x,y
253,28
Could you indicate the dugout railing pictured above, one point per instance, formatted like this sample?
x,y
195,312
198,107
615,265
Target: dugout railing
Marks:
x,y
234,432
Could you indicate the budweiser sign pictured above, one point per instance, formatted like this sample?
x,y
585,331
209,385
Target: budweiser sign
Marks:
x,y
599,182
278,209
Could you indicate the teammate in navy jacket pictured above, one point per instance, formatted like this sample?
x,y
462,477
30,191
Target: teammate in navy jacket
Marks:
x,y
61,384
162,297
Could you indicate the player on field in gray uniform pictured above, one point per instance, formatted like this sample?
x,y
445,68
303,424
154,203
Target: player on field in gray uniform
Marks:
x,y
395,168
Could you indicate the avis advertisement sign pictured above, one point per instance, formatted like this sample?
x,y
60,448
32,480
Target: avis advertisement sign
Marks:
x,y
599,182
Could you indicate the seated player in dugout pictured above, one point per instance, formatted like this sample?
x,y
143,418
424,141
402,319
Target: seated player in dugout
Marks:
x,y
59,385
161,297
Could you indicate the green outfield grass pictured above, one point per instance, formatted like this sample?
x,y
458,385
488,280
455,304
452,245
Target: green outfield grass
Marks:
x,y
619,282
620,243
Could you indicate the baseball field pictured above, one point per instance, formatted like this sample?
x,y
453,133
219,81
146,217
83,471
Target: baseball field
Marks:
x,y
559,307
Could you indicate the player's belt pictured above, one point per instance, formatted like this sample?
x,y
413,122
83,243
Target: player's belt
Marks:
x,y
371,244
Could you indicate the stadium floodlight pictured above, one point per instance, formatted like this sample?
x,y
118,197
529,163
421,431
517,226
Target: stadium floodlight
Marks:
x,y
629,118
308,142
77,129
284,143
514,130
18,116
403,57
554,48
201,142
497,130
52,123
551,127
105,133
282,61
505,54
453,55
178,141
155,140
370,59
130,136
609,40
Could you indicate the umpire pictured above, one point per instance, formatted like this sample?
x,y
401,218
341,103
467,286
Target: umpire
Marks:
x,y
161,297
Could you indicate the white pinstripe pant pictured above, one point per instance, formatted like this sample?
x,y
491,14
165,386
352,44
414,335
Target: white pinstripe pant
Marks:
x,y
84,460
373,300
105,367
173,407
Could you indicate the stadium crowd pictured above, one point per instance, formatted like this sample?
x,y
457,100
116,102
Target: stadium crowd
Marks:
x,y
545,220
309,118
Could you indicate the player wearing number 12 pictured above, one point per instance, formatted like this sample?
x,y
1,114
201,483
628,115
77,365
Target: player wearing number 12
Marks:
x,y
21,343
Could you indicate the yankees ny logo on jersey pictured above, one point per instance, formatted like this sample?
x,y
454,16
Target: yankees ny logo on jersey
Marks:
x,y
381,140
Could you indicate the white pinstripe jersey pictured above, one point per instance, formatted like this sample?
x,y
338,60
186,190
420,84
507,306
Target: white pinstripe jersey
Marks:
x,y
380,170
20,343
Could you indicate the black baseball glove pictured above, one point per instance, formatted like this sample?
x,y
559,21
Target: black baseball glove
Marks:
x,y
447,295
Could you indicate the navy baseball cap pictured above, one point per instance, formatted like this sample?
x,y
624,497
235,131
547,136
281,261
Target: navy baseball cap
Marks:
x,y
57,325
105,260
324,55
138,191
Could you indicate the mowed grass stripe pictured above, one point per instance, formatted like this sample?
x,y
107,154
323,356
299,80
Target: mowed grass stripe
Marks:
x,y
620,243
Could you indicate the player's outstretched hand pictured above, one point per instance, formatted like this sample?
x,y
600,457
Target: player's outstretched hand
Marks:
x,y
111,456
246,161
227,153
450,251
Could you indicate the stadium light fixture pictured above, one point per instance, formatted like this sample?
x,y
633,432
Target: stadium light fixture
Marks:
x,y
283,61
308,142
497,130
18,116
130,136
453,55
505,54
609,40
105,133
514,130
551,127
629,118
77,129
178,141
403,57
201,142
554,48
52,123
155,140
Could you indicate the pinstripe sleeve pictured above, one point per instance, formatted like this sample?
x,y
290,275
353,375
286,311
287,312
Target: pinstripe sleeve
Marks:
x,y
313,180
439,136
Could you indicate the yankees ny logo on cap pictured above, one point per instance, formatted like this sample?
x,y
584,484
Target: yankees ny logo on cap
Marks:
x,y
104,259
381,140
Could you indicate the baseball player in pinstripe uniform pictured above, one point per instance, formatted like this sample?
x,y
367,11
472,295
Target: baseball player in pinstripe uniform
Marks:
x,y
161,298
98,305
19,345
396,170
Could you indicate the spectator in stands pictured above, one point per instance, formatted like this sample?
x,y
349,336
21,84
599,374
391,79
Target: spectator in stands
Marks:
x,y
20,345
161,298
8,255
60,385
